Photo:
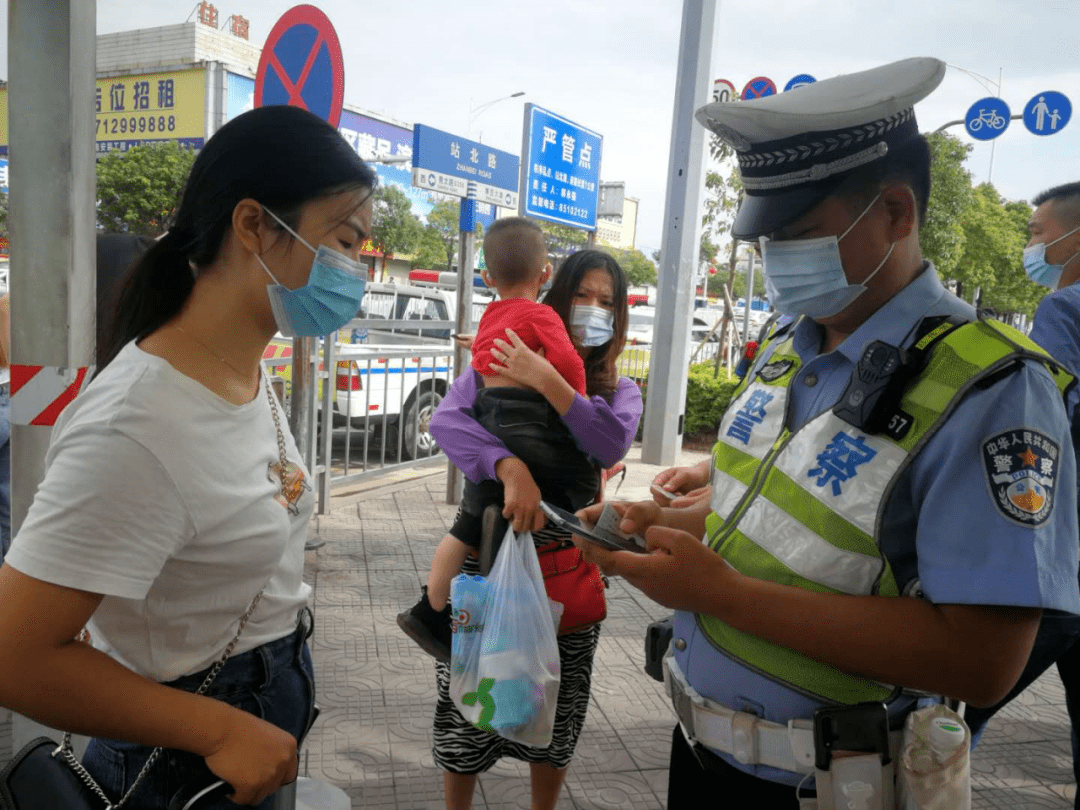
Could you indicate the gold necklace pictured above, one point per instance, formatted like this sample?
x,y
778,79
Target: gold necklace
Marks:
x,y
181,329
289,477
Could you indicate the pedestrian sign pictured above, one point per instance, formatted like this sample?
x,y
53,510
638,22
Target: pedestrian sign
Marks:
x,y
987,118
301,65
801,80
758,88
1047,113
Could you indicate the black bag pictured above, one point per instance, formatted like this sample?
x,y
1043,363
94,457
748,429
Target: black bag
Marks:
x,y
42,781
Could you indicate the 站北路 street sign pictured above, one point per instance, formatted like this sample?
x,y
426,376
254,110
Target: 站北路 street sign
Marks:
x,y
987,118
560,169
1047,113
451,165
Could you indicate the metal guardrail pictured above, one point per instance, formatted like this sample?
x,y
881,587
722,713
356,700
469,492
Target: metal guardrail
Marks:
x,y
374,403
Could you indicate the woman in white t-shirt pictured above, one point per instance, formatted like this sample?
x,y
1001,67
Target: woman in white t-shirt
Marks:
x,y
174,493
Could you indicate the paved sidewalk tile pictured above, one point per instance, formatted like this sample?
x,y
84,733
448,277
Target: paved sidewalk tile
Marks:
x,y
377,689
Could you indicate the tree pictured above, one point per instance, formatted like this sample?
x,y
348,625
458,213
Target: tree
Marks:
x,y
635,264
723,194
995,235
942,236
3,214
442,223
738,285
562,240
429,250
394,227
139,190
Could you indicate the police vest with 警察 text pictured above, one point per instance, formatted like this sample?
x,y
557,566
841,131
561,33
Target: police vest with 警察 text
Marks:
x,y
802,507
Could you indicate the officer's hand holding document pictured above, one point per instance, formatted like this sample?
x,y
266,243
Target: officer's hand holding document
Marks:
x,y
679,571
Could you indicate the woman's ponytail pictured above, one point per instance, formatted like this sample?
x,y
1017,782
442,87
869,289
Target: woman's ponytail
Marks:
x,y
153,291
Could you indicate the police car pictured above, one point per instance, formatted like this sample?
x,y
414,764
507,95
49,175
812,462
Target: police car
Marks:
x,y
389,381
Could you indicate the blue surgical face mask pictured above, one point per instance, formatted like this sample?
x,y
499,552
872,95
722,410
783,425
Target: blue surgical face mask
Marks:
x,y
1036,267
806,276
330,299
591,326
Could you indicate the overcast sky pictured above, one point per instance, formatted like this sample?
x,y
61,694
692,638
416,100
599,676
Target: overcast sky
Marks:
x,y
610,66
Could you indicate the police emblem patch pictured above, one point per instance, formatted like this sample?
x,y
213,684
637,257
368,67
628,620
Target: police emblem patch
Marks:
x,y
1021,471
775,370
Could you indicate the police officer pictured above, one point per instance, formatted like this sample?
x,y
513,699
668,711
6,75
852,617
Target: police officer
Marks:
x,y
1052,259
869,535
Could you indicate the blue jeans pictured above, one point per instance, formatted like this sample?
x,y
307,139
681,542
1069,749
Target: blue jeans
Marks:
x,y
274,682
1058,641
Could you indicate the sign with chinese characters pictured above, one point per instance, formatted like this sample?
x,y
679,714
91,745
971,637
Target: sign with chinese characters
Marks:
x,y
133,110
561,175
239,95
462,168
4,176
376,140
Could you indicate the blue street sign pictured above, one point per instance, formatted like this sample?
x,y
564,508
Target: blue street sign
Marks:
x,y
987,118
1047,113
758,88
799,81
561,180
451,165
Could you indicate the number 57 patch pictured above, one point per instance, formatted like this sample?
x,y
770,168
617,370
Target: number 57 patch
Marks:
x,y
1021,471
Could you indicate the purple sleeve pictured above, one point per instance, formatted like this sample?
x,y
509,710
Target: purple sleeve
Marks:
x,y
606,431
473,450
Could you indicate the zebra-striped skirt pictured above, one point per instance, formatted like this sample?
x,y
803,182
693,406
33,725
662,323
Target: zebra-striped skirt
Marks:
x,y
460,747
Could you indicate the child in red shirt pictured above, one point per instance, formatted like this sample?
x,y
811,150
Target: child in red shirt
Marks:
x,y
520,416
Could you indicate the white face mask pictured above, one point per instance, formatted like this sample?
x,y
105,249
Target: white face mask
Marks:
x,y
806,276
591,326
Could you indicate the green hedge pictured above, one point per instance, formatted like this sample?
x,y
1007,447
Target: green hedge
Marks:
x,y
706,398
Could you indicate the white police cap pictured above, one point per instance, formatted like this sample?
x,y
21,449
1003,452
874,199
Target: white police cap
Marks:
x,y
795,148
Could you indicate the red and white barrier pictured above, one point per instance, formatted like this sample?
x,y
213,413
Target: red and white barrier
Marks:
x,y
40,393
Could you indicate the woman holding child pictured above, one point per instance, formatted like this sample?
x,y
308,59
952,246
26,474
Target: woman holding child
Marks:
x,y
589,296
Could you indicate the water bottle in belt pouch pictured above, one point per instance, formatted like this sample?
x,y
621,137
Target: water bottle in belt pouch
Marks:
x,y
935,761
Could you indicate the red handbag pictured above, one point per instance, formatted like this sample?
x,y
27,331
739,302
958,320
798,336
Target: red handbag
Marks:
x,y
576,584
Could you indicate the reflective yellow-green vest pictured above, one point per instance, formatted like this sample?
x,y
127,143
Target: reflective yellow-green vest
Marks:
x,y
803,508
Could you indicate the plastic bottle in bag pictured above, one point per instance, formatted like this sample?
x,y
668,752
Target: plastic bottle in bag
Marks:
x,y
468,596
935,764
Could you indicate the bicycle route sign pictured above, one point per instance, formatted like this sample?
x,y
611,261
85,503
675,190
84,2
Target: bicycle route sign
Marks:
x,y
987,118
301,65
1047,113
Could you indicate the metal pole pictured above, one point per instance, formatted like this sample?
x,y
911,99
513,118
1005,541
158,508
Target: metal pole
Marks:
x,y
51,62
662,435
455,482
748,297
299,406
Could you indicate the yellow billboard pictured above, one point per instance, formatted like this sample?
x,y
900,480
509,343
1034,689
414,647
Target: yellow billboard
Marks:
x,y
142,107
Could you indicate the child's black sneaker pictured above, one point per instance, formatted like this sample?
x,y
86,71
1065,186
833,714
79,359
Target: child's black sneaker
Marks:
x,y
428,627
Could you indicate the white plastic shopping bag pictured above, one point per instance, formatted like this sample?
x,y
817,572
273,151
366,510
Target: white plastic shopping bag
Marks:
x,y
504,668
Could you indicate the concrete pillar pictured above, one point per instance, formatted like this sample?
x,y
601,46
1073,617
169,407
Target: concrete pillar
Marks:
x,y
51,64
666,402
